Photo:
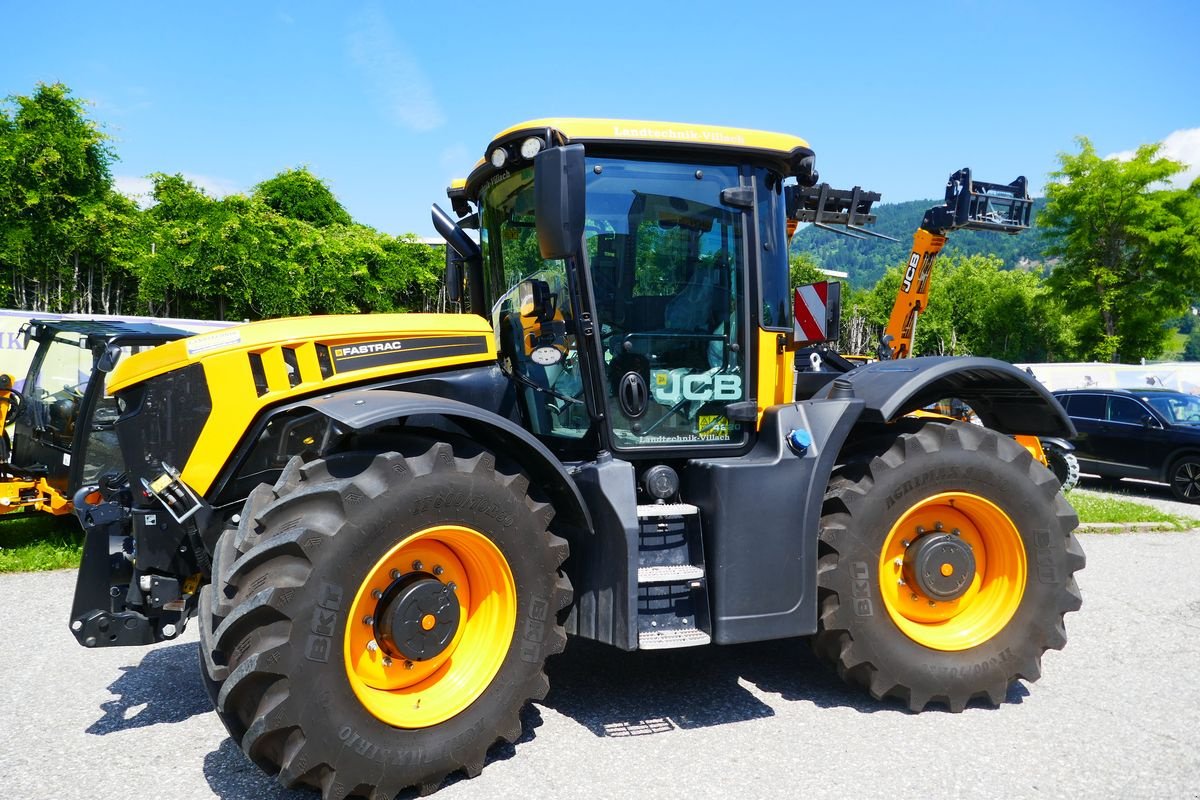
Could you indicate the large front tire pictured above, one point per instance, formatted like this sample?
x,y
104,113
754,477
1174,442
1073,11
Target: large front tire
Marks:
x,y
378,622
946,566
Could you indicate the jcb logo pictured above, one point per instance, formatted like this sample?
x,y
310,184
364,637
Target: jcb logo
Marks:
x,y
913,261
670,388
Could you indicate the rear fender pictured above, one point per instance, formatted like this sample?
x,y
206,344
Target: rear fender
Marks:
x,y
1005,398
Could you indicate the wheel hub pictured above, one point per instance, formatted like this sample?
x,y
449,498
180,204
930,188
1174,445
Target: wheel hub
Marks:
x,y
941,565
417,617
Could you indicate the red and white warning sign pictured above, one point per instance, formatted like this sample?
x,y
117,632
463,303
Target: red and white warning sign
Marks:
x,y
811,313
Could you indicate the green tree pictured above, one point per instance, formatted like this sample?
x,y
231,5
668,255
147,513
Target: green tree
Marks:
x,y
976,307
1129,248
55,197
298,194
803,269
239,258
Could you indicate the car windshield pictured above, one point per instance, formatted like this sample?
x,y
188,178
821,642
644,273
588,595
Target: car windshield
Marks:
x,y
1180,409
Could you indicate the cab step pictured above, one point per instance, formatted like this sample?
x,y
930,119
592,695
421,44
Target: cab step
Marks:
x,y
672,593
673,573
668,639
651,510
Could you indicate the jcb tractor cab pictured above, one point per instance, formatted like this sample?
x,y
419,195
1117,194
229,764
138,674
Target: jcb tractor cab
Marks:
x,y
62,420
385,524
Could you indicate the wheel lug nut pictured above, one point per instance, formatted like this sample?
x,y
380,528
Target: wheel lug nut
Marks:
x,y
438,570
899,562
906,542
932,604
955,532
901,582
387,662
368,620
937,526
378,595
408,665
452,586
418,566
913,596
395,574
371,646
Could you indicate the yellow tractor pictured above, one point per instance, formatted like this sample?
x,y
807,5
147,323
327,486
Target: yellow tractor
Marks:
x,y
384,525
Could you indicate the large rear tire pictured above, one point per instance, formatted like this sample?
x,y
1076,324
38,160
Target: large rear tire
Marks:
x,y
378,622
946,566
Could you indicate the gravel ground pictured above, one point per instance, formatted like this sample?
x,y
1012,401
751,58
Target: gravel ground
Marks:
x,y
1115,715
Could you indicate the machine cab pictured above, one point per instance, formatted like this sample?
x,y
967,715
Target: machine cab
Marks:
x,y
661,311
65,432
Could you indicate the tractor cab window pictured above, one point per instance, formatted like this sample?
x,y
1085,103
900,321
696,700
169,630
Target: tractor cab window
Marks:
x,y
666,258
533,320
59,384
58,392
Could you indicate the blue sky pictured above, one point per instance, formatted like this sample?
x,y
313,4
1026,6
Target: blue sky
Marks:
x,y
389,101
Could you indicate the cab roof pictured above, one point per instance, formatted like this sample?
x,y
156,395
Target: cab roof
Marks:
x,y
606,135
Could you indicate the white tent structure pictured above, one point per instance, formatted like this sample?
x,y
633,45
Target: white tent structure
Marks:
x,y
1179,375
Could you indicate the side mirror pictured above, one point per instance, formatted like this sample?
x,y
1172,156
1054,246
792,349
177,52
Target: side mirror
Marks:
x,y
108,359
559,195
454,275
537,301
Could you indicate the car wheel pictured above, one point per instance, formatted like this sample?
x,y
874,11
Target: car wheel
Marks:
x,y
1185,479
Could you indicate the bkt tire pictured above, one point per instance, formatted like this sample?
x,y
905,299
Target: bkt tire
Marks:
x,y
946,565
378,622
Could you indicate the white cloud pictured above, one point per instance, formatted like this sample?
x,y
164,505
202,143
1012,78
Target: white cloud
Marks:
x,y
393,74
213,186
141,190
1181,145
136,189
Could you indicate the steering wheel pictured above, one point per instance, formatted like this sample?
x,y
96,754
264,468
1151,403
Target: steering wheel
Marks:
x,y
16,404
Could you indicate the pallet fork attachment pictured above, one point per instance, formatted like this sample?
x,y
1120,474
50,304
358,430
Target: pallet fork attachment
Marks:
x,y
825,207
981,206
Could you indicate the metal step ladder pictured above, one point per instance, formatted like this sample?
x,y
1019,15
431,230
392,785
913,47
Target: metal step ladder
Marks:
x,y
672,584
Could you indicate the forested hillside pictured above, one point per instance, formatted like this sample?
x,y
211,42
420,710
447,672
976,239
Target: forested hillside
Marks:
x,y
867,259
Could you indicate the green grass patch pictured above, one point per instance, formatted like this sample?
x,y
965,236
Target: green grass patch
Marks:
x,y
35,541
1103,508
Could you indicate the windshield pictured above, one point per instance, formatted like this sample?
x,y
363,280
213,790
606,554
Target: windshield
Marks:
x,y
1180,409
666,259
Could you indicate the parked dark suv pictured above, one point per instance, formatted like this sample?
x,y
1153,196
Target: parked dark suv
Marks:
x,y
1153,434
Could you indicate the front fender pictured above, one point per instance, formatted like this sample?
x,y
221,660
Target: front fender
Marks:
x,y
1005,398
361,409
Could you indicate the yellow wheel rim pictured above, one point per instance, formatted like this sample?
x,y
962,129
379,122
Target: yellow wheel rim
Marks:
x,y
985,604
418,692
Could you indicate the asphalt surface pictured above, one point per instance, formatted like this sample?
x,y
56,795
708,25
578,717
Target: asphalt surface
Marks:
x,y
1116,714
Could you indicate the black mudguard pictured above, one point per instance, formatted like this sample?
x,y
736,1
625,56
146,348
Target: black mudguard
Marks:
x,y
362,409
1005,398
